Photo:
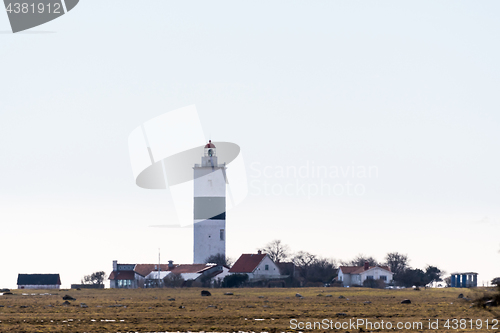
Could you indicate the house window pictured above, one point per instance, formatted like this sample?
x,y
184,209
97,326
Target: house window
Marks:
x,y
266,267
221,234
369,277
383,277
124,283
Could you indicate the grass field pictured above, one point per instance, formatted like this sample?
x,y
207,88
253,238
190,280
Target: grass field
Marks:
x,y
258,310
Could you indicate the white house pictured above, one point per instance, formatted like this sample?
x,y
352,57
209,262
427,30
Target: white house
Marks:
x,y
356,275
257,266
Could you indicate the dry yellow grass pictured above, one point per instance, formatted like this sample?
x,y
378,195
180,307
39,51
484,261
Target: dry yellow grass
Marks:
x,y
150,310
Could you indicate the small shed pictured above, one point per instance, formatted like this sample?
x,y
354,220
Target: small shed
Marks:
x,y
463,280
38,281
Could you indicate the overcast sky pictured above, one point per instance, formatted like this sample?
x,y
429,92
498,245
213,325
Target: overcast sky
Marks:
x,y
407,90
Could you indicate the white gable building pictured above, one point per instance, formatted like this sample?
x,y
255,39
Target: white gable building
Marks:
x,y
257,266
356,275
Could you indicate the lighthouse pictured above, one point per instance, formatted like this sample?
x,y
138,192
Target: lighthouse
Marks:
x,y
209,206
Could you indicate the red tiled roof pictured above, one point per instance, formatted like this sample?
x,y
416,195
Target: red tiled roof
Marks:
x,y
359,269
247,263
192,268
145,269
122,275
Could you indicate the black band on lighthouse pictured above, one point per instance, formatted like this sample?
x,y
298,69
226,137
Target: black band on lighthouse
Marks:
x,y
209,208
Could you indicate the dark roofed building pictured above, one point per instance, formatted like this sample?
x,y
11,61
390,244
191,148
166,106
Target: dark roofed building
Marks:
x,y
38,281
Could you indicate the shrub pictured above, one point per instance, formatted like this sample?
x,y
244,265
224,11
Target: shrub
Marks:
x,y
372,283
173,280
234,280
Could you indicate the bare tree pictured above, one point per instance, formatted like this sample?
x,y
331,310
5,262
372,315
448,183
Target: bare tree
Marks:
x,y
360,260
219,259
173,280
397,262
304,260
322,270
94,278
276,250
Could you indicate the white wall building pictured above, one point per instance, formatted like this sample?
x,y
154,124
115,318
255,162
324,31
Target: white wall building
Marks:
x,y
257,266
356,275
209,206
152,275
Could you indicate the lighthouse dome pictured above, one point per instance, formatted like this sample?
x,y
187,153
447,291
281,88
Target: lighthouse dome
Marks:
x,y
209,144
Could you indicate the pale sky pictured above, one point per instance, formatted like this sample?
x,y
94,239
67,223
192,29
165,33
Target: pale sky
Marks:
x,y
408,90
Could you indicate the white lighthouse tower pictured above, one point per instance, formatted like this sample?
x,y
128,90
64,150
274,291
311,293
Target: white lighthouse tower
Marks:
x,y
209,206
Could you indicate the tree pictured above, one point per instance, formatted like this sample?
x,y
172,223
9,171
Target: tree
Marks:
x,y
276,250
219,259
372,283
447,281
303,260
360,260
173,280
412,277
234,280
322,270
94,278
432,274
496,281
397,262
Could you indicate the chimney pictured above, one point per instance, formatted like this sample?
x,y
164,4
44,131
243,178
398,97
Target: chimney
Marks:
x,y
367,265
170,264
115,265
259,252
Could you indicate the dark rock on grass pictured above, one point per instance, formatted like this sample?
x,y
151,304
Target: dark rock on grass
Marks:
x,y
68,298
4,290
66,303
1,306
23,306
205,293
171,299
261,296
83,305
8,293
228,294
182,307
406,301
460,295
328,295
367,302
341,296
341,314
298,295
